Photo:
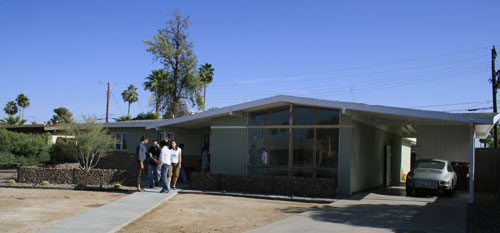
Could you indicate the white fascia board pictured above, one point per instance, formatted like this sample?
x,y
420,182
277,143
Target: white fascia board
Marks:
x,y
217,112
483,130
477,119
391,110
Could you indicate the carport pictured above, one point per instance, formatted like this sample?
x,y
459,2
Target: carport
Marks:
x,y
439,135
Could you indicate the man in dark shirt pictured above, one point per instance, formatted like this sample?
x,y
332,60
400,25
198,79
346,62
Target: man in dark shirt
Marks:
x,y
141,158
154,155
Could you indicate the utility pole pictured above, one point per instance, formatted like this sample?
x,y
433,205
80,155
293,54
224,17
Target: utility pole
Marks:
x,y
494,83
107,101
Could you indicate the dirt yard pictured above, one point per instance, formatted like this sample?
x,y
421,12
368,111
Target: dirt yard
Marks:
x,y
29,210
208,213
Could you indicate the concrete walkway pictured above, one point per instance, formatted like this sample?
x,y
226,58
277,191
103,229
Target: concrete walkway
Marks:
x,y
385,210
113,216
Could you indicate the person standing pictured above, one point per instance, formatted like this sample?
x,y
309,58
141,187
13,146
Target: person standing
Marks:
x,y
205,159
141,157
165,162
176,156
154,156
183,171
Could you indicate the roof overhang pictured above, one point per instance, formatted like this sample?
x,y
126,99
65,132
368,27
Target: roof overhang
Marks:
x,y
404,116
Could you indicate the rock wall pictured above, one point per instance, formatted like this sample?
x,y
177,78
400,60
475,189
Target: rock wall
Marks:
x,y
75,176
297,186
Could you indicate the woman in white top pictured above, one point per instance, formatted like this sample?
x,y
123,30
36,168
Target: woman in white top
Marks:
x,y
176,159
164,163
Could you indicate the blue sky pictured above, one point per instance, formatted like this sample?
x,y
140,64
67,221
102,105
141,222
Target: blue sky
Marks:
x,y
395,53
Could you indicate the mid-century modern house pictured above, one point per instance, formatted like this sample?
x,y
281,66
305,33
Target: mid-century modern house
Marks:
x,y
359,145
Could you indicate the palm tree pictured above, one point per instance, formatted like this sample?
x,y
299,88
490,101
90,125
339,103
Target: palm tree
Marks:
x,y
130,95
12,120
23,102
154,84
11,108
206,75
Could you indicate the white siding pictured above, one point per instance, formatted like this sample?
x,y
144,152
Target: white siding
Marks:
x,y
443,142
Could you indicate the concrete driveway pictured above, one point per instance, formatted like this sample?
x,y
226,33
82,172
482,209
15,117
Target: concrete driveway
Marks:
x,y
383,210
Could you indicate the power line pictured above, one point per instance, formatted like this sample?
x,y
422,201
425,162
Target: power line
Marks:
x,y
113,95
443,105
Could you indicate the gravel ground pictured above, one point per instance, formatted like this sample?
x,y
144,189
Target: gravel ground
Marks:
x,y
484,214
210,213
29,210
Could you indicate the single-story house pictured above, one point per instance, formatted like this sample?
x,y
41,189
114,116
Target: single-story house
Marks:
x,y
359,145
56,131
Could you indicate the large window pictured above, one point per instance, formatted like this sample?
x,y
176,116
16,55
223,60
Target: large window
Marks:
x,y
279,147
121,142
258,149
303,143
293,140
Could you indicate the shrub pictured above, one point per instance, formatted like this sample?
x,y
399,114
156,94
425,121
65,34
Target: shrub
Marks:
x,y
12,181
28,149
92,141
45,182
61,152
118,186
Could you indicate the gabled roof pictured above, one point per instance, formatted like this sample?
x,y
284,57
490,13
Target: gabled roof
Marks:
x,y
284,99
478,119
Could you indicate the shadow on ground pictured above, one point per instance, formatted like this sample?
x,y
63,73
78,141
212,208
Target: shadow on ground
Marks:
x,y
389,208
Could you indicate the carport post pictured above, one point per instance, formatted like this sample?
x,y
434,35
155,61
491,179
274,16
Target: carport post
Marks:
x,y
472,159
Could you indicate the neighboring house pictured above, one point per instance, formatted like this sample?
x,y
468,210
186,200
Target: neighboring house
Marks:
x,y
359,145
55,130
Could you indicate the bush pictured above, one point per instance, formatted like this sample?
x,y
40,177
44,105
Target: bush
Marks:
x,y
61,152
118,186
28,149
12,181
45,182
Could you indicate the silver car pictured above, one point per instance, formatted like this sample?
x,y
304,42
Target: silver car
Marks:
x,y
431,174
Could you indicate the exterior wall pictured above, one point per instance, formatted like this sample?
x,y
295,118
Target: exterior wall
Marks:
x,y
192,140
228,146
444,142
345,150
487,175
134,136
368,157
406,156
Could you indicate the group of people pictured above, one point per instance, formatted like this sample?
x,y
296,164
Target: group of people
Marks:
x,y
164,163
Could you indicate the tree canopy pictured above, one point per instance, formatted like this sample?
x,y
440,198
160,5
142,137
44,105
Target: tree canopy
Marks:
x,y
206,73
12,120
182,86
23,103
62,115
130,95
140,116
11,108
155,82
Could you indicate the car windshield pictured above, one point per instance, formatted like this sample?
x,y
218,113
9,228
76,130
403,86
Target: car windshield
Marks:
x,y
430,164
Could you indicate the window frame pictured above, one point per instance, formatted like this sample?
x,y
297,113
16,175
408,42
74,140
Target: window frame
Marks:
x,y
291,126
122,145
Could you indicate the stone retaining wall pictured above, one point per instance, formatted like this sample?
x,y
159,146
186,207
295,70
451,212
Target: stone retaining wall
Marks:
x,y
297,186
75,176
